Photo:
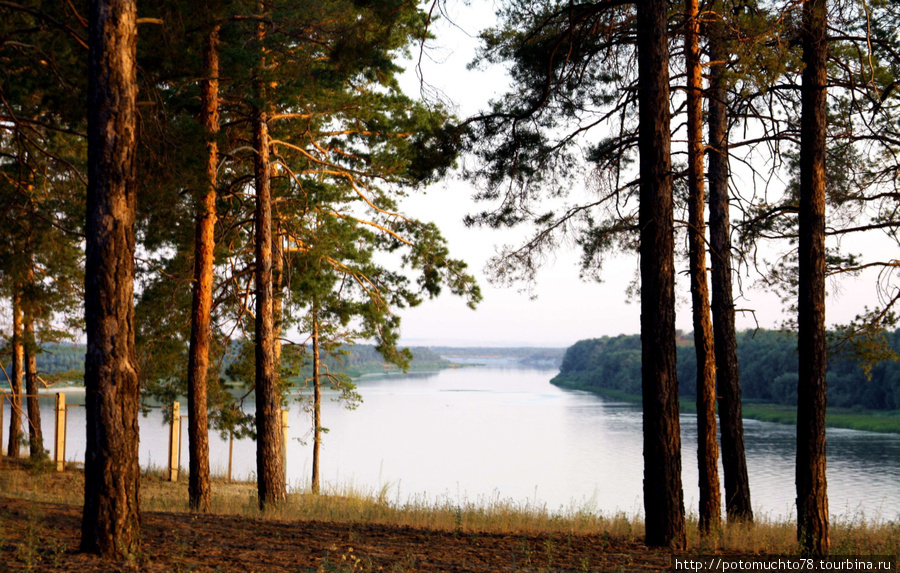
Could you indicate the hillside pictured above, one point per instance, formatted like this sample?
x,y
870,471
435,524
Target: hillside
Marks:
x,y
66,362
364,359
768,366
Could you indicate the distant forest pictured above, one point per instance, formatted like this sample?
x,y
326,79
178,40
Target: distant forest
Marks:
x,y
522,356
768,367
364,359
68,360
53,359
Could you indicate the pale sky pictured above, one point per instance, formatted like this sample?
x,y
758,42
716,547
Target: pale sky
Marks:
x,y
565,309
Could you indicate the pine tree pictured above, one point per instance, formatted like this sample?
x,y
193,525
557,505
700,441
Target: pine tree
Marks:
x,y
571,72
663,501
41,146
35,435
269,463
734,462
812,497
111,519
15,382
198,426
338,122
707,445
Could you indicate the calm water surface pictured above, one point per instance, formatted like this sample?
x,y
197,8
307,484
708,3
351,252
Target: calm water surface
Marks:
x,y
481,434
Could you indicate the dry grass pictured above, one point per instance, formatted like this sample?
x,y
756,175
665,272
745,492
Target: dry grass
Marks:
x,y
458,516
766,536
856,535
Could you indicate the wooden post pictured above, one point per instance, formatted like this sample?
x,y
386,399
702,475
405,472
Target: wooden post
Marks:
x,y
284,442
174,434
230,453
179,440
59,444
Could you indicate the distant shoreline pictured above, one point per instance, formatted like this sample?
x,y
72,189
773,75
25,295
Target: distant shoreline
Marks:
x,y
883,422
57,389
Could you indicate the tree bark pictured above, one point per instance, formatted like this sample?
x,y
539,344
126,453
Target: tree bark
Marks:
x,y
111,519
317,403
277,289
812,498
277,285
734,461
269,462
15,383
663,497
707,444
201,302
35,435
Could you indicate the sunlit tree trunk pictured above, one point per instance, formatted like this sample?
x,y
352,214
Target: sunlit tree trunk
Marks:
x,y
317,402
269,462
201,304
663,497
734,461
277,300
35,435
707,444
15,383
111,518
277,289
812,497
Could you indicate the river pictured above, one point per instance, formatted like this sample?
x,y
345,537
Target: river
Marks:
x,y
487,434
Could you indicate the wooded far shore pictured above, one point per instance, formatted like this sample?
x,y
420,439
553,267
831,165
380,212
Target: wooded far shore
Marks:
x,y
860,396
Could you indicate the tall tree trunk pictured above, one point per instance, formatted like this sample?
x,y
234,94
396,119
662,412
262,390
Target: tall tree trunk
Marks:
x,y
663,497
269,462
201,303
111,519
15,384
812,498
734,461
317,402
35,435
277,289
707,444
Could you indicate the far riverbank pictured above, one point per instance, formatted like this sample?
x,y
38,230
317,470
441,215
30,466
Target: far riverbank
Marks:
x,y
848,418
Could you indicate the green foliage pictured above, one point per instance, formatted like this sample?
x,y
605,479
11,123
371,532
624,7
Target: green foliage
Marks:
x,y
55,358
56,363
861,165
768,368
568,122
360,359
42,166
346,146
612,363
